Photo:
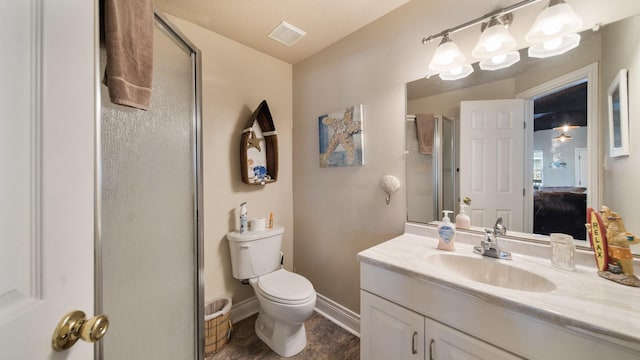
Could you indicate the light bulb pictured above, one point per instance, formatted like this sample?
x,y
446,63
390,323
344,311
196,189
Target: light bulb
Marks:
x,y
456,70
447,55
552,44
492,44
551,27
494,40
499,59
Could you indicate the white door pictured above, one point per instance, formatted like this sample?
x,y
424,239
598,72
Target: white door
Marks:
x,y
491,158
582,167
47,182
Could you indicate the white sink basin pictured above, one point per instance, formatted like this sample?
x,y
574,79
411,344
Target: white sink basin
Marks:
x,y
492,272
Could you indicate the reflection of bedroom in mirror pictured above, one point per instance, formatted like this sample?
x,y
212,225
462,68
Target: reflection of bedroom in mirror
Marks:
x,y
560,181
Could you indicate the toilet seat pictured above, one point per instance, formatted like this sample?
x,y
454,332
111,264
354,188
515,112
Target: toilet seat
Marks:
x,y
285,287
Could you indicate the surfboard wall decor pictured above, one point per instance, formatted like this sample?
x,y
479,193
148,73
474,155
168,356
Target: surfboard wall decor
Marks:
x,y
259,148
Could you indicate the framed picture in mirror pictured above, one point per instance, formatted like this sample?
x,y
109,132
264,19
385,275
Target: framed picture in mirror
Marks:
x,y
618,115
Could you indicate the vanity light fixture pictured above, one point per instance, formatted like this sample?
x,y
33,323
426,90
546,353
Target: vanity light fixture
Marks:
x,y
496,47
456,73
447,56
500,61
555,30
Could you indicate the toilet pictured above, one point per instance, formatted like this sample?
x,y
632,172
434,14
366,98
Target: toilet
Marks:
x,y
286,299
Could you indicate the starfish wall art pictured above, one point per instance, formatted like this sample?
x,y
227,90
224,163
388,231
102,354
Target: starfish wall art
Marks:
x,y
340,136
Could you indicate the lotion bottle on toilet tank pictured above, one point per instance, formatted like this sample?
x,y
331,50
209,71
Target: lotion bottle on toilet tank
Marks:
x,y
244,220
446,232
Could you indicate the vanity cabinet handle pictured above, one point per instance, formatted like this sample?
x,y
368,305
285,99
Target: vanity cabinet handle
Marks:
x,y
413,343
431,343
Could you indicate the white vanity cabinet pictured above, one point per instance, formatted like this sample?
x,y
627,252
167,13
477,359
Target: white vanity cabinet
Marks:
x,y
390,331
446,343
407,314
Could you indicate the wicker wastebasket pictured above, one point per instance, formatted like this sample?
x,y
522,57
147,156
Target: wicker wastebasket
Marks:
x,y
217,325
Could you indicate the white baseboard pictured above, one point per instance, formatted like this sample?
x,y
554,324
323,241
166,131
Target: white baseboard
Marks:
x,y
326,307
338,314
244,309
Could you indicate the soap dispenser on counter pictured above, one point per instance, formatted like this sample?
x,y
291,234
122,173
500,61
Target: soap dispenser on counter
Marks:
x,y
446,232
463,221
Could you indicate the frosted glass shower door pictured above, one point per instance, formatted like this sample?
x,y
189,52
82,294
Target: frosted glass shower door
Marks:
x,y
147,210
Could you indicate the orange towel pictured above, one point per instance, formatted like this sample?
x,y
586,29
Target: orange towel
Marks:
x,y
129,43
425,125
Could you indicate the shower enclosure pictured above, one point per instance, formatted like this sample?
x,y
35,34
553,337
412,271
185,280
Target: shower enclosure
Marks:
x,y
149,241
431,179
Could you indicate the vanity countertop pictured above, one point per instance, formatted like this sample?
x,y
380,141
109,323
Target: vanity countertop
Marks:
x,y
582,301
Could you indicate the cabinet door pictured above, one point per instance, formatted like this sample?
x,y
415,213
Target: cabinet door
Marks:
x,y
446,343
389,331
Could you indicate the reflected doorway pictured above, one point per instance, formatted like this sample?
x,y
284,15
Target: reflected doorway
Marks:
x,y
560,184
562,154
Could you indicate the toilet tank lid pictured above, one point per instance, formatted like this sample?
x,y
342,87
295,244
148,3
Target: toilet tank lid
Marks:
x,y
255,235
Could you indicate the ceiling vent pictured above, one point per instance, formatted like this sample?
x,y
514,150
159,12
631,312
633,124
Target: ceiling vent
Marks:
x,y
286,33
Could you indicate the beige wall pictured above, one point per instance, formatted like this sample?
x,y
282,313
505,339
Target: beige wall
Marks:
x,y
621,50
448,103
341,211
235,79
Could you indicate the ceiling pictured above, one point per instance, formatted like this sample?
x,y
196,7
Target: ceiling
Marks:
x,y
249,22
564,107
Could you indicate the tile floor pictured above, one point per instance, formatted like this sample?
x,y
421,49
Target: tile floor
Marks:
x,y
325,341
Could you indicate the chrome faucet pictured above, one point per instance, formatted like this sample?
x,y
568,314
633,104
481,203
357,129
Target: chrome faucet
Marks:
x,y
489,246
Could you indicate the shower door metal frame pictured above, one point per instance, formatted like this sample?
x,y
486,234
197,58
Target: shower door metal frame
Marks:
x,y
438,165
196,58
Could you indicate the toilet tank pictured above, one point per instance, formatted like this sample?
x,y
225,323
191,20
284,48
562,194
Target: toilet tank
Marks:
x,y
255,253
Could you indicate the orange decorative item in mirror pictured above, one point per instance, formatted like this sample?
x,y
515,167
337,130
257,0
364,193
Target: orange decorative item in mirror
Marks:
x,y
610,241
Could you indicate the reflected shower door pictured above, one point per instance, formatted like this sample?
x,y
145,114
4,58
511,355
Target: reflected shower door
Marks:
x,y
147,208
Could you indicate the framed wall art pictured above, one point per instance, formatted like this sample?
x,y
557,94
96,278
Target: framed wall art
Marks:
x,y
341,137
618,99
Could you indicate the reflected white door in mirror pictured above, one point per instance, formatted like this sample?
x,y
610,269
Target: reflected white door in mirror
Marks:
x,y
492,149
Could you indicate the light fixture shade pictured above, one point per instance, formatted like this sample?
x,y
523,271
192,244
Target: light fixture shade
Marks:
x,y
500,61
457,73
447,56
555,46
562,137
557,20
494,40
565,128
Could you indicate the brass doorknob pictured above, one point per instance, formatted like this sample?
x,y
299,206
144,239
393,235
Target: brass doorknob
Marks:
x,y
75,325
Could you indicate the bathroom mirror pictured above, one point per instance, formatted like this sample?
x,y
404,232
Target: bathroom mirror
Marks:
x,y
600,55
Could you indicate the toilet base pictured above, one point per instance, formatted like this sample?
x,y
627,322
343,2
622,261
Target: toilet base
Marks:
x,y
285,339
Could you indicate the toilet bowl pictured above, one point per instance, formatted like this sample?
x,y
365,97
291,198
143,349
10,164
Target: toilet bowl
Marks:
x,y
286,299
